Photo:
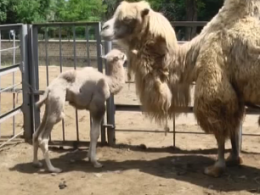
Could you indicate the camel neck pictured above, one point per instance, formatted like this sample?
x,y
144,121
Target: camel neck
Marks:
x,y
183,66
116,78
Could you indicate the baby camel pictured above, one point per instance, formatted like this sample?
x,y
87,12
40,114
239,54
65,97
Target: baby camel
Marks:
x,y
83,89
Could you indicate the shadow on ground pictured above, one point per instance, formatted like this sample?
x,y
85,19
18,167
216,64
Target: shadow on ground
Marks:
x,y
177,164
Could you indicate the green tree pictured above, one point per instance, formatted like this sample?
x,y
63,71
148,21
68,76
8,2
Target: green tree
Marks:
x,y
3,10
24,11
80,10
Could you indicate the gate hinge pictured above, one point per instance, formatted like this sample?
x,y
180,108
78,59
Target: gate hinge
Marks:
x,y
109,126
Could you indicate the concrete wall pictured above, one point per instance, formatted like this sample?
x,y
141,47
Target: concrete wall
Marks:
x,y
53,52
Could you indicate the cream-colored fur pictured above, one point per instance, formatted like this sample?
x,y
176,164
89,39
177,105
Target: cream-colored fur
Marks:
x,y
83,89
223,60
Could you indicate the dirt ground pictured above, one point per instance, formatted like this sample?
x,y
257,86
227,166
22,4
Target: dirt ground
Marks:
x,y
140,164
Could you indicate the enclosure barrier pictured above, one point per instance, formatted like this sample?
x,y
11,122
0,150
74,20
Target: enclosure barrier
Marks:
x,y
20,66
35,29
34,43
137,108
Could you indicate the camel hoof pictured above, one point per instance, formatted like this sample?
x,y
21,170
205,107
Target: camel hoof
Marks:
x,y
97,165
37,164
231,161
214,171
55,170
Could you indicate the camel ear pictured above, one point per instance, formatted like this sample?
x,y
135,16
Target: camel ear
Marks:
x,y
124,57
104,57
116,58
145,12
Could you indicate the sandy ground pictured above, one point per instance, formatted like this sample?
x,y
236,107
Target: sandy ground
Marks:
x,y
140,164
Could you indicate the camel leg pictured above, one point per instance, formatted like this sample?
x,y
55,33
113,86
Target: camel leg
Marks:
x,y
234,158
43,141
36,134
220,165
97,110
89,148
94,135
218,111
36,162
54,114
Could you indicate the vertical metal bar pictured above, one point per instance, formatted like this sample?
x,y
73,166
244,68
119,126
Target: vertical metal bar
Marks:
x,y
88,64
35,74
174,132
87,39
0,76
13,75
74,47
63,126
47,56
99,47
110,107
27,107
75,66
100,69
240,136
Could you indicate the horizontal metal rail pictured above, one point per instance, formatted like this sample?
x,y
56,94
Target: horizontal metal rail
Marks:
x,y
189,23
10,48
174,23
15,136
64,24
171,132
70,143
11,26
136,108
9,69
10,87
10,114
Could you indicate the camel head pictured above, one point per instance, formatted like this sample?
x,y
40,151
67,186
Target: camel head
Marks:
x,y
127,22
151,45
115,56
136,23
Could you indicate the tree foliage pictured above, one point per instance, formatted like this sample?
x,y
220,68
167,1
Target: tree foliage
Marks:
x,y
28,11
80,10
31,11
36,11
3,10
24,11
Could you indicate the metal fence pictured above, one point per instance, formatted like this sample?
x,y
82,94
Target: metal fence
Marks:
x,y
134,108
42,31
31,53
13,75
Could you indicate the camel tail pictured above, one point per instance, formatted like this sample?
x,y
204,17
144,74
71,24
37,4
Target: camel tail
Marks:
x,y
42,100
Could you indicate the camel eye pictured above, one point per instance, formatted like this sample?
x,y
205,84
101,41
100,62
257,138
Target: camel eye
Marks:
x,y
128,20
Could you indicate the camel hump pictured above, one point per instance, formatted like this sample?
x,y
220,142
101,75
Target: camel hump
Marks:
x,y
69,76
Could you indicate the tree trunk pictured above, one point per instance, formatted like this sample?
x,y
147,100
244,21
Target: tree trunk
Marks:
x,y
191,15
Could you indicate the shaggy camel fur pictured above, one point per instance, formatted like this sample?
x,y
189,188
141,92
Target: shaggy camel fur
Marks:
x,y
83,89
223,60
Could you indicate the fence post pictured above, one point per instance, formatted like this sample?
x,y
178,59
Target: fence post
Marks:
x,y
110,108
27,114
34,74
100,69
240,136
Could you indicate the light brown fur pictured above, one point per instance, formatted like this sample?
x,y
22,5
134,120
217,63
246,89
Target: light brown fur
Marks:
x,y
85,89
224,60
